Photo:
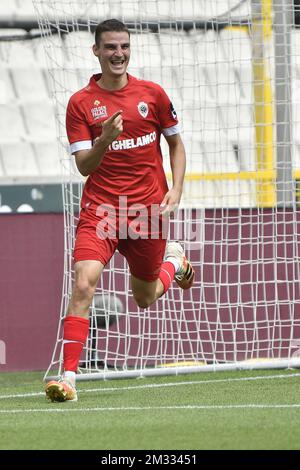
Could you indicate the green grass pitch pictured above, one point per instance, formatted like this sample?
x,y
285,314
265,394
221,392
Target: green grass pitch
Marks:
x,y
221,410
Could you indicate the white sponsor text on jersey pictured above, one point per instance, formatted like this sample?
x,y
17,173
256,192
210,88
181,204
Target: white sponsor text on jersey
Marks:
x,y
133,143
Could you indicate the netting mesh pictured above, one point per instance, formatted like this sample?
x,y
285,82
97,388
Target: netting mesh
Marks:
x,y
221,64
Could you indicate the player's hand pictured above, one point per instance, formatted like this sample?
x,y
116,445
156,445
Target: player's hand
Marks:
x,y
170,202
112,127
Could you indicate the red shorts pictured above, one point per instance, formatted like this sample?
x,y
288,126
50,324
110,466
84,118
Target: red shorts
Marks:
x,y
144,255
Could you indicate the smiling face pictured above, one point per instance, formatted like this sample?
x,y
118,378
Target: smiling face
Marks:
x,y
113,52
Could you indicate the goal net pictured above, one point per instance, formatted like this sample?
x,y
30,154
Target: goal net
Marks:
x,y
232,71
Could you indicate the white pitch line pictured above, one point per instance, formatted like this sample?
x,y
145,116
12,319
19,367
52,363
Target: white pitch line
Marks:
x,y
193,382
22,395
152,408
172,384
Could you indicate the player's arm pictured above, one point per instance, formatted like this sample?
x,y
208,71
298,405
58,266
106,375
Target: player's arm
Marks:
x,y
178,164
88,160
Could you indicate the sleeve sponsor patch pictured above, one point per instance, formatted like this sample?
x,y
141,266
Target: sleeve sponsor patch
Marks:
x,y
173,112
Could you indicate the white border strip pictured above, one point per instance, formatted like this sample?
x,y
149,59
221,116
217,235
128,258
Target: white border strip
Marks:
x,y
172,130
82,145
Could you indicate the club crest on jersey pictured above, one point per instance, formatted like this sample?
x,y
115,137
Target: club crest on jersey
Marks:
x,y
143,109
98,111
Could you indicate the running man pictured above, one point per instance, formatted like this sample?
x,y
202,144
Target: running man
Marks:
x,y
114,126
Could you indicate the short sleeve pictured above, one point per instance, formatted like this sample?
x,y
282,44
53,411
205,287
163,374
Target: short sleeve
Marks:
x,y
78,131
167,114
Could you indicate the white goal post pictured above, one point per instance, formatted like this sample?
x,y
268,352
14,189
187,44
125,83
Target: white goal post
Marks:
x,y
232,70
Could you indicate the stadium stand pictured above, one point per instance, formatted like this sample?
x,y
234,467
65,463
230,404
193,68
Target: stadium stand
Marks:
x,y
19,159
47,157
40,120
12,126
7,93
22,81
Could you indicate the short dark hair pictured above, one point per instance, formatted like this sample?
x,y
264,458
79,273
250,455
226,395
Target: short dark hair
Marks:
x,y
109,25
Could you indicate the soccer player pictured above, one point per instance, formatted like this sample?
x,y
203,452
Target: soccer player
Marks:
x,y
114,126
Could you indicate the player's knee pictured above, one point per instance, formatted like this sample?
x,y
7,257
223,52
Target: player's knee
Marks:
x,y
143,301
84,289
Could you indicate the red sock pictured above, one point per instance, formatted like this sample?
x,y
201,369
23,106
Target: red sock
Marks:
x,y
166,275
76,330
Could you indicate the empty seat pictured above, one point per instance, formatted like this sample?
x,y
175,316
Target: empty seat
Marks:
x,y
295,53
25,9
191,121
195,155
237,121
193,85
47,156
145,50
179,9
296,111
171,46
11,122
153,74
188,9
7,93
162,9
8,9
243,73
219,157
296,156
83,9
223,83
166,77
2,92
78,46
2,171
208,9
5,209
50,51
246,152
20,54
177,48
207,48
62,81
219,194
235,193
124,10
83,75
295,43
18,159
236,45
203,122
29,83
40,120
169,82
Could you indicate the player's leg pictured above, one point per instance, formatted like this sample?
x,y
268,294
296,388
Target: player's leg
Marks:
x,y
76,327
175,266
184,271
146,293
153,268
91,254
87,274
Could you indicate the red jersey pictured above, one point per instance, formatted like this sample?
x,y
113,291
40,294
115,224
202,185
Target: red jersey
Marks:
x,y
132,165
